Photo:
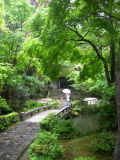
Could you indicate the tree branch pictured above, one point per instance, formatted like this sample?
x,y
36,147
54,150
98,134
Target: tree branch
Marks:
x,y
109,14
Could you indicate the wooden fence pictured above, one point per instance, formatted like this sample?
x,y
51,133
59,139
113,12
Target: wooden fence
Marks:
x,y
23,115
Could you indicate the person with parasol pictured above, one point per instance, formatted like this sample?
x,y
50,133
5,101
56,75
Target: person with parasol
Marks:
x,y
67,92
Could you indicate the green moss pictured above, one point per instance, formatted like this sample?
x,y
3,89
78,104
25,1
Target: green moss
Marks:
x,y
81,147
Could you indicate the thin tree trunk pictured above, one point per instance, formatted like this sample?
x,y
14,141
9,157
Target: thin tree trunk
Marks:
x,y
112,53
117,148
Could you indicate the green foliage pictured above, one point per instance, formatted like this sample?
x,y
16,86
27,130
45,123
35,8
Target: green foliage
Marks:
x,y
1,14
75,108
107,115
16,13
30,104
54,103
7,120
63,128
101,89
104,113
105,143
47,122
19,99
36,22
5,70
4,108
45,147
84,158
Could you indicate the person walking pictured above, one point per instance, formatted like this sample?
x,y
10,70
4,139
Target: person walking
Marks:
x,y
68,98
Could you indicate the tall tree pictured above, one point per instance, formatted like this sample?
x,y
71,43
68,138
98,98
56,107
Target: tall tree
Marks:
x,y
117,148
1,14
89,23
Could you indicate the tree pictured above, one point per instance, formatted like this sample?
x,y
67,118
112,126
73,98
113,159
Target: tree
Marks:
x,y
70,25
20,72
117,148
1,15
16,13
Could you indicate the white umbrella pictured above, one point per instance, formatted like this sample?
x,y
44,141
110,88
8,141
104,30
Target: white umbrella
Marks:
x,y
66,91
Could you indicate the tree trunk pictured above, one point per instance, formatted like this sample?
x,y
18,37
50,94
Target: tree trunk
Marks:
x,y
117,148
113,66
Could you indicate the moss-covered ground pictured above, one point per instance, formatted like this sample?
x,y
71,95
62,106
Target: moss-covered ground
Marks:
x,y
81,147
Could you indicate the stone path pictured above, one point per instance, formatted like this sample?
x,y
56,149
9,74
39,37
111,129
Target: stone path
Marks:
x,y
16,139
13,141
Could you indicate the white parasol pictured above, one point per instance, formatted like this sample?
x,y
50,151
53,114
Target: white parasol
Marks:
x,y
66,91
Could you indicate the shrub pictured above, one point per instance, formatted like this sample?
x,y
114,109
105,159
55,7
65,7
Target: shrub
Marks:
x,y
4,108
7,120
54,103
64,128
45,147
75,108
48,122
105,143
107,115
29,105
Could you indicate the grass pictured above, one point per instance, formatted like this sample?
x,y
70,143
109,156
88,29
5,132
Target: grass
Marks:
x,y
81,147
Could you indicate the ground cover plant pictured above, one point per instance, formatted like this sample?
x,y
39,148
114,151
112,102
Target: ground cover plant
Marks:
x,y
45,147
81,148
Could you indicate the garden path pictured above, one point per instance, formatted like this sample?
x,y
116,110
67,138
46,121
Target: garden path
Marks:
x,y
15,140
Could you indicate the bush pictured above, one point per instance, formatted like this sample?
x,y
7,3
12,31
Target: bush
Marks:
x,y
48,122
29,105
54,103
75,108
45,147
7,120
19,99
4,108
64,128
107,115
105,143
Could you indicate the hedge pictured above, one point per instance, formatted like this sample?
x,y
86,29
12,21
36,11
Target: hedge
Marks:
x,y
7,120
